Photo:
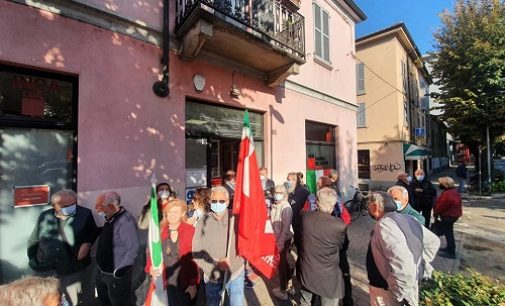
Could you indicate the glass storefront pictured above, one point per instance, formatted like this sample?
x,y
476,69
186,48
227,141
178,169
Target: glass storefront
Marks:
x,y
213,136
320,145
37,147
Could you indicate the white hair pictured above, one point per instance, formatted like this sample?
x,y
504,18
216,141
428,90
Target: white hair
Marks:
x,y
405,193
220,189
63,194
29,291
112,197
326,199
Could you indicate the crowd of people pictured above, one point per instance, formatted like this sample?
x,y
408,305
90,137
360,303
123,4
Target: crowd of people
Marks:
x,y
195,238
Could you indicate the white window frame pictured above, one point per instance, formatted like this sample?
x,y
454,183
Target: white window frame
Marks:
x,y
325,58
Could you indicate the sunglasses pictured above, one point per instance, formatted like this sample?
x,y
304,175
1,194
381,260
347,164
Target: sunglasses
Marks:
x,y
216,201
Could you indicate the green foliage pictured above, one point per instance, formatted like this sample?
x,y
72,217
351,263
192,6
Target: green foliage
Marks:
x,y
474,289
499,186
469,64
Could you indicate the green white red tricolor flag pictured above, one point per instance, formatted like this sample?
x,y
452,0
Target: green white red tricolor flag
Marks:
x,y
255,237
157,294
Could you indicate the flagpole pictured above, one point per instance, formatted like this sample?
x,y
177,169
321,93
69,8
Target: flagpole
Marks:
x,y
231,226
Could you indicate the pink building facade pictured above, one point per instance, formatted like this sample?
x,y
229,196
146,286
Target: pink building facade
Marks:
x,y
78,109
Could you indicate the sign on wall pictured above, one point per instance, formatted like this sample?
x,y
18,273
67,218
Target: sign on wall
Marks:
x,y
26,196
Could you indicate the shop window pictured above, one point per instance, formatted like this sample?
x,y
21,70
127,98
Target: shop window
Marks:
x,y
320,145
364,164
38,129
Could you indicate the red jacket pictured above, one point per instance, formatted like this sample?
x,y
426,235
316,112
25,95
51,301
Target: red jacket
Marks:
x,y
448,204
188,275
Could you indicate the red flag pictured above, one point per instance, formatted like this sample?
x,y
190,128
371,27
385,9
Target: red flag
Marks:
x,y
255,237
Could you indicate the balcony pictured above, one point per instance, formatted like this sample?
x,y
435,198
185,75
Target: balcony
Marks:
x,y
266,35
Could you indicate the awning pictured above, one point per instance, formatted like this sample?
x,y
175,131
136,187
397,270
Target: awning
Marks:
x,y
413,152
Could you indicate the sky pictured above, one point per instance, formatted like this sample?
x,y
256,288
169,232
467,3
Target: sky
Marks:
x,y
420,17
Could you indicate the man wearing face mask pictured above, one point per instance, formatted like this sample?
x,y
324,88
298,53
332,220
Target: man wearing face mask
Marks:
x,y
209,251
405,181
424,195
229,184
116,251
59,246
401,197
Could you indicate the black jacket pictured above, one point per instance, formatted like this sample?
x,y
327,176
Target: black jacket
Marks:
x,y
426,196
322,238
297,201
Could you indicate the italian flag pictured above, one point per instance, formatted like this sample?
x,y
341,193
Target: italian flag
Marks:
x,y
157,293
255,237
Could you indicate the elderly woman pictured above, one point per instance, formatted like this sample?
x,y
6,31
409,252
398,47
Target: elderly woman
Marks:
x,y
32,291
448,209
181,271
280,217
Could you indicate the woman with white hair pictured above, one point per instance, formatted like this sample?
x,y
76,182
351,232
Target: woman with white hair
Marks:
x,y
446,212
33,291
281,216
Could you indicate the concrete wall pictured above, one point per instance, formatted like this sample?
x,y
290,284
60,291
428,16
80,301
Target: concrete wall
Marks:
x,y
386,162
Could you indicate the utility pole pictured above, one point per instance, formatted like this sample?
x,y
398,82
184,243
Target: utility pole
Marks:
x,y
488,143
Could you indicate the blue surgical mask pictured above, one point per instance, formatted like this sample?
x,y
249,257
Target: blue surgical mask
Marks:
x,y
218,207
419,177
398,204
198,213
288,184
409,178
69,210
278,196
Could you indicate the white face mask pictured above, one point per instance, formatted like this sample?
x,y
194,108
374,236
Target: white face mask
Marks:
x,y
102,214
262,177
409,178
419,177
164,194
69,210
198,213
278,197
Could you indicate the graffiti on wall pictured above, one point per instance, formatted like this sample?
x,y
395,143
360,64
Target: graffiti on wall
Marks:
x,y
391,167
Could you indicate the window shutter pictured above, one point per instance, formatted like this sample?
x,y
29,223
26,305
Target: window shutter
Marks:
x,y
321,33
326,37
360,78
361,115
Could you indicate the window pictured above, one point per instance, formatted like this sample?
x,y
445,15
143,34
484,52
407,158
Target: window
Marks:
x,y
38,129
364,164
321,33
320,145
360,78
361,114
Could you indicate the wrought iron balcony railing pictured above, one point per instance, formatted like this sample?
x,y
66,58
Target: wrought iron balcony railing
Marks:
x,y
283,27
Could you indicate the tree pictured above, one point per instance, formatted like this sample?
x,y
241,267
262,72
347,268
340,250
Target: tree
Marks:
x,y
469,63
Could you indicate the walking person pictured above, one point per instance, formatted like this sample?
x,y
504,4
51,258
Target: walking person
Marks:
x,y
424,194
448,209
462,174
321,239
60,246
209,251
116,251
281,217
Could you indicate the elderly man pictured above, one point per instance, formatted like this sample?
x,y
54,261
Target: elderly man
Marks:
x,y
404,180
59,246
321,239
401,197
400,250
268,187
424,195
209,251
117,249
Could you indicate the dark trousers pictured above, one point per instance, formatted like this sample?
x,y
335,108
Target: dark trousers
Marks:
x,y
425,210
346,274
285,272
114,291
447,229
307,297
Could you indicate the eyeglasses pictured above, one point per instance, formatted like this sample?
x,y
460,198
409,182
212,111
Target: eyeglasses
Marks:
x,y
218,201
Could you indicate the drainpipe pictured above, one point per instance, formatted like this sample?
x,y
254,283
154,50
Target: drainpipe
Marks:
x,y
161,88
